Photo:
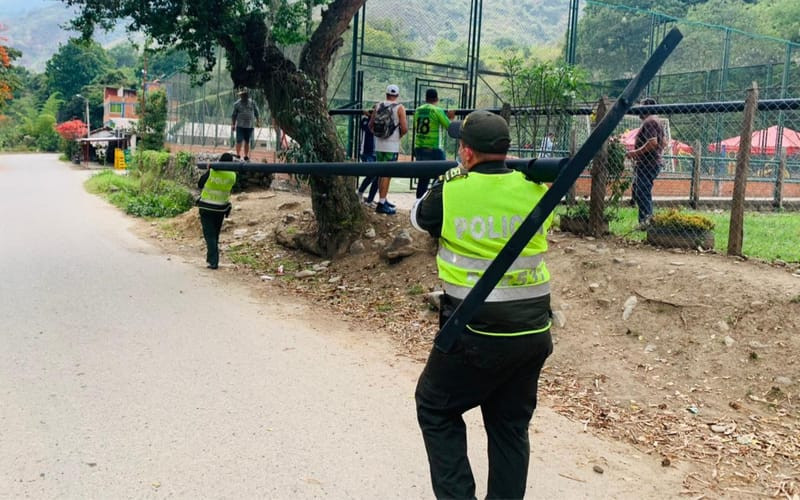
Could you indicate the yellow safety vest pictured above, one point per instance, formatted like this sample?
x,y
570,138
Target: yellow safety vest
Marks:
x,y
480,214
217,190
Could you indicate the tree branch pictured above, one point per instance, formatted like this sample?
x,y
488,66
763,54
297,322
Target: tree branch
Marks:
x,y
326,40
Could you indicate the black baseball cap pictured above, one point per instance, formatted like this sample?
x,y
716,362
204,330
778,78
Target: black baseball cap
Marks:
x,y
483,131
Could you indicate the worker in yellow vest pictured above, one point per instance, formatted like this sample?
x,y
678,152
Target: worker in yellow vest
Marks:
x,y
214,205
474,210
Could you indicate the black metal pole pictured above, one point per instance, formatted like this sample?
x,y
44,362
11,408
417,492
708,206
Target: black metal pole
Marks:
x,y
537,170
448,335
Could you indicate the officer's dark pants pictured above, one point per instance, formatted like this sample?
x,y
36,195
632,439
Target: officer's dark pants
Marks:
x,y
212,225
499,374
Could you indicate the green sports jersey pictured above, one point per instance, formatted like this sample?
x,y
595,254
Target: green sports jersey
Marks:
x,y
429,123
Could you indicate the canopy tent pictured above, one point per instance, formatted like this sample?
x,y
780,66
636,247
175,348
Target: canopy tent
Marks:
x,y
675,147
764,141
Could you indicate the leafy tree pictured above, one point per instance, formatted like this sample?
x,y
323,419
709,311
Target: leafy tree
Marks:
x,y
75,107
545,88
163,63
8,80
76,65
153,120
782,17
70,132
124,55
253,36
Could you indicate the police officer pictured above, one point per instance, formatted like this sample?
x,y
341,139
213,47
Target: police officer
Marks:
x,y
495,365
214,205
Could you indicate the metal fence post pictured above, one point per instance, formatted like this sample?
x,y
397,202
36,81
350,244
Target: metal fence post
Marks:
x,y
736,230
777,202
694,195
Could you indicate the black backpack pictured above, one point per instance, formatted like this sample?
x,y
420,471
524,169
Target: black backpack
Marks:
x,y
383,124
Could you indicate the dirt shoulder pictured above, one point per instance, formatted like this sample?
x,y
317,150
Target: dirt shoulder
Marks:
x,y
703,368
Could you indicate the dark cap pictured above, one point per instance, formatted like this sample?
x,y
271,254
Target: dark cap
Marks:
x,y
483,131
431,95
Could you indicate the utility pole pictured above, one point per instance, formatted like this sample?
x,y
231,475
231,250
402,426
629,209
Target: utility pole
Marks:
x,y
88,127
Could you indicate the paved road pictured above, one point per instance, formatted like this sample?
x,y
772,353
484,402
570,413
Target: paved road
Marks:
x,y
125,373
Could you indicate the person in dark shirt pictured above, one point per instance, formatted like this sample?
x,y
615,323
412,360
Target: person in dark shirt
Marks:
x,y
649,145
367,155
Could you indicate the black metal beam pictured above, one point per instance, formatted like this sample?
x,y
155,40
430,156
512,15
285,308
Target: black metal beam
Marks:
x,y
452,329
537,170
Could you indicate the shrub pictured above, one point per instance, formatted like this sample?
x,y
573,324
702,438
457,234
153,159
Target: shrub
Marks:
x,y
127,193
674,219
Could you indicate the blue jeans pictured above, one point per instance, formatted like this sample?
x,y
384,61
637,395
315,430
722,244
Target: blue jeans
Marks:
x,y
426,154
642,190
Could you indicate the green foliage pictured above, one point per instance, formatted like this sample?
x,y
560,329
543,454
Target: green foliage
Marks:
x,y
674,219
76,65
545,88
44,131
124,55
132,195
153,121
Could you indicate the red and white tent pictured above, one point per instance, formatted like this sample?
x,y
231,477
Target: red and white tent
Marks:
x,y
764,141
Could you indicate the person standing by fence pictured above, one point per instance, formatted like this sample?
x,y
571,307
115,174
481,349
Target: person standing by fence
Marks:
x,y
430,121
649,145
367,155
243,120
388,124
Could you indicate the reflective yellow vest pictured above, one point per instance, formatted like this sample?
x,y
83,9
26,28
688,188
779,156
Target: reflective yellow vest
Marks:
x,y
217,190
480,213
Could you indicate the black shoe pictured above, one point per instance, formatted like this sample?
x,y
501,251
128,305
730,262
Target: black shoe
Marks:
x,y
212,266
246,158
390,204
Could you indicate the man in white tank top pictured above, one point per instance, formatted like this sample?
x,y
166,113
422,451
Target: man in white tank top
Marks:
x,y
387,149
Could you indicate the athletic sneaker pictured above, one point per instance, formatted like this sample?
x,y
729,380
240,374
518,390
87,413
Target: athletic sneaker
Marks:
x,y
246,158
384,208
390,204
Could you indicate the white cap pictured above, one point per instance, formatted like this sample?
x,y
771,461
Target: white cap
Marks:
x,y
392,90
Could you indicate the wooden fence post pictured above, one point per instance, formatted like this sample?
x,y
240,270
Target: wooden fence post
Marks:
x,y
736,229
694,195
573,146
777,202
597,200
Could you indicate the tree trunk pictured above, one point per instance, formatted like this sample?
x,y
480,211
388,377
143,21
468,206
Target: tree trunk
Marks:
x,y
298,103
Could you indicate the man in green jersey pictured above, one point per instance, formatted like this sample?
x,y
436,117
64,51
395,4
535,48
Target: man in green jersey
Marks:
x,y
429,122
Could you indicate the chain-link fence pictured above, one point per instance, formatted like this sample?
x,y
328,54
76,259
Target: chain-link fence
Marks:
x,y
712,63
728,179
199,117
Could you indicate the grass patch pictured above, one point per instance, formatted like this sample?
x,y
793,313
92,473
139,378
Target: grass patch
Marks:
x,y
240,254
384,307
125,192
416,289
768,236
